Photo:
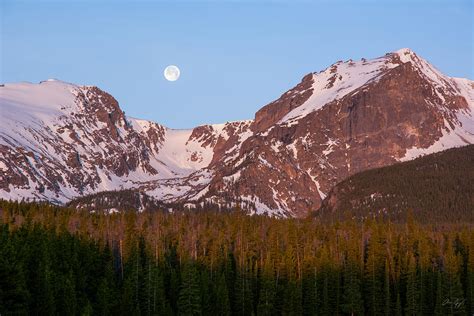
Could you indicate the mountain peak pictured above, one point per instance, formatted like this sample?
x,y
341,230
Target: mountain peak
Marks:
x,y
404,51
406,55
59,140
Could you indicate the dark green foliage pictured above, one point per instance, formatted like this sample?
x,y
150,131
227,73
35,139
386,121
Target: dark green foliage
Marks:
x,y
189,300
352,297
413,291
221,302
436,188
14,295
243,294
58,261
124,199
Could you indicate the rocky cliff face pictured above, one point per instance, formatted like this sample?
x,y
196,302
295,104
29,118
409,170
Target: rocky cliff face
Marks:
x,y
59,141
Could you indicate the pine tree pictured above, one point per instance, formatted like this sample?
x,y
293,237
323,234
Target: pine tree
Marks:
x,y
310,287
452,288
103,298
208,299
159,302
412,293
13,289
171,276
353,303
325,282
439,304
387,292
398,306
222,303
243,294
66,303
374,272
189,300
470,277
293,298
285,267
45,278
230,276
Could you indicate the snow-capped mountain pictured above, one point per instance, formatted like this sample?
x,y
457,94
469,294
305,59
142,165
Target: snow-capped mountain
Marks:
x,y
60,140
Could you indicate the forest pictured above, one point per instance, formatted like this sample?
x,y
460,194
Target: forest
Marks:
x,y
435,188
61,261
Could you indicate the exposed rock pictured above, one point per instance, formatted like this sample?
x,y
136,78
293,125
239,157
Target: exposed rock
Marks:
x,y
66,141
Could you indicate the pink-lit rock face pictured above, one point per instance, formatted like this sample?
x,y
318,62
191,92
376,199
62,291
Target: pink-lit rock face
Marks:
x,y
59,141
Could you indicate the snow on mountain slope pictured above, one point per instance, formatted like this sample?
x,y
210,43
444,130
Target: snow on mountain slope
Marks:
x,y
353,116
349,77
60,140
458,132
26,106
453,135
339,80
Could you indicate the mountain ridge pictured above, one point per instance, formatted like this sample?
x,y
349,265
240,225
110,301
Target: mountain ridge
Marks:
x,y
435,188
352,116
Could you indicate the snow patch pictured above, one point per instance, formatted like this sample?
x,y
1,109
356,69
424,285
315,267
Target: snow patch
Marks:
x,y
337,81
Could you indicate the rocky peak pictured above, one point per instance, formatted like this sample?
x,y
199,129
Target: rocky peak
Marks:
x,y
405,54
59,141
273,112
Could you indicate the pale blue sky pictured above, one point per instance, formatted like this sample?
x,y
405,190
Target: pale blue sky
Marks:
x,y
235,56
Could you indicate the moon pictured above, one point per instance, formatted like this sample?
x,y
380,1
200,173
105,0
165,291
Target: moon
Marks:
x,y
171,73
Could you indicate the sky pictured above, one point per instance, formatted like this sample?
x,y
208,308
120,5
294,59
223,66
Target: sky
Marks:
x,y
234,56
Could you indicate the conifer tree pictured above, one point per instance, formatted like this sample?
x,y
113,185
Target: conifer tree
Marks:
x,y
398,306
452,288
13,292
45,280
66,302
412,292
243,294
374,272
104,300
266,303
189,300
352,296
222,303
310,290
159,302
439,304
230,275
387,292
470,276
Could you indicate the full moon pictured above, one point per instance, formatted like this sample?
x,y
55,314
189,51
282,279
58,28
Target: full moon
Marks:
x,y
171,73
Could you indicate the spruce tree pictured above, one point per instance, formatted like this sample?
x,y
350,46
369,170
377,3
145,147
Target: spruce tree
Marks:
x,y
374,275
243,294
222,302
353,303
412,292
310,290
104,300
189,300
387,292
470,277
452,287
439,304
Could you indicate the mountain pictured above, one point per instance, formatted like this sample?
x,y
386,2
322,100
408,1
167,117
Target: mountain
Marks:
x,y
433,188
59,141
